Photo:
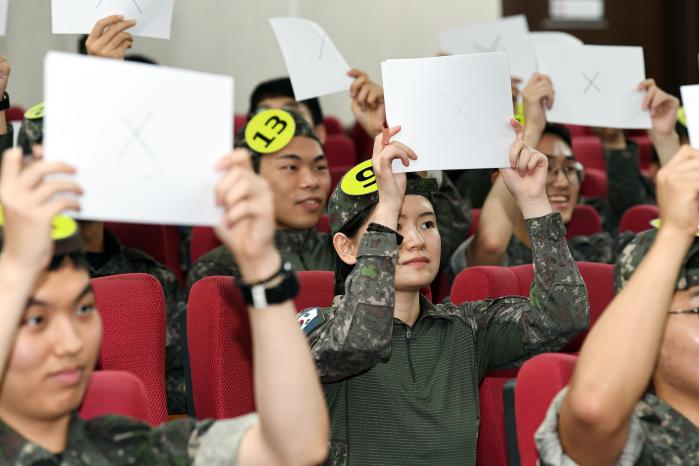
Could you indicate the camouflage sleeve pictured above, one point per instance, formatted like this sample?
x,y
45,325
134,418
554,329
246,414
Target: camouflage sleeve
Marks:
x,y
453,219
7,139
176,309
601,247
205,267
511,330
357,334
550,449
626,185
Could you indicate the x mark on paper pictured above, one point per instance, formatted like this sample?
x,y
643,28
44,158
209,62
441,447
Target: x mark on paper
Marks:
x,y
591,83
136,136
138,7
322,42
459,110
493,47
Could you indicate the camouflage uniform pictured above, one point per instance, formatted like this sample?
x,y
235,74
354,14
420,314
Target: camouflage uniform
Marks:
x,y
658,436
115,440
7,139
409,395
121,260
304,249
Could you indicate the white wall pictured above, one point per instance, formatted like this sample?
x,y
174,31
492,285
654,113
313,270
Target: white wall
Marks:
x,y
233,37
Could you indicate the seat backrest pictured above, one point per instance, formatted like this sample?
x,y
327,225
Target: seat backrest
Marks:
x,y
538,382
332,125
336,174
595,183
577,130
14,114
584,222
201,241
161,242
638,218
239,122
220,345
491,449
589,151
115,392
340,151
479,283
362,141
132,308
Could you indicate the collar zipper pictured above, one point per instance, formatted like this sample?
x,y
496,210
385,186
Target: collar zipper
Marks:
x,y
408,337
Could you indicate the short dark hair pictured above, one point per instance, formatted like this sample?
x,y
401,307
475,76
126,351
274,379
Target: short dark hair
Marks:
x,y
82,48
559,131
77,259
281,87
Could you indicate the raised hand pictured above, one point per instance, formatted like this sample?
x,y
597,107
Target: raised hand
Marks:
x,y
248,225
109,38
538,96
526,176
662,106
678,193
30,203
367,102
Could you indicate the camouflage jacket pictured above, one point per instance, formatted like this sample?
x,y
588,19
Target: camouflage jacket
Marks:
x,y
658,436
304,249
409,395
115,440
120,260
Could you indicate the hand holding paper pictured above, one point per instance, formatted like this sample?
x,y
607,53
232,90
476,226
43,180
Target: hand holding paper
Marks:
x,y
109,38
153,17
596,85
454,111
137,159
316,67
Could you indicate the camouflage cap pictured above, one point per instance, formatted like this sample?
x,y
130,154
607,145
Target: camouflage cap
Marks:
x,y
64,232
343,207
269,118
633,254
32,130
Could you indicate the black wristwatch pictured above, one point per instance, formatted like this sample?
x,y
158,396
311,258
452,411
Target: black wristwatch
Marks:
x,y
377,227
260,296
5,102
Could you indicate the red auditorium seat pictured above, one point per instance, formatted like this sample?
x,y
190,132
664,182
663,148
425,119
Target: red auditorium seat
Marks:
x,y
239,121
577,130
115,392
202,240
638,218
645,150
132,308
538,382
220,351
479,283
14,114
585,221
162,242
363,142
340,151
594,184
336,174
332,125
589,151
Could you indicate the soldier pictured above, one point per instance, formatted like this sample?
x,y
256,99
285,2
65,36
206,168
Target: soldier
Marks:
x,y
51,335
501,237
401,374
107,256
648,334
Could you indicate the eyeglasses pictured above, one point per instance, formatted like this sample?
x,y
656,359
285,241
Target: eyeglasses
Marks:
x,y
571,171
694,310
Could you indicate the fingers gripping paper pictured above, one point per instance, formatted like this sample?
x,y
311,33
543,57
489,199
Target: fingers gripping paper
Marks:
x,y
454,111
595,85
137,159
153,17
316,67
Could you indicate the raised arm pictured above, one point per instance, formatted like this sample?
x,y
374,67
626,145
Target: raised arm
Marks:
x,y
293,425
367,102
619,355
357,333
663,111
29,206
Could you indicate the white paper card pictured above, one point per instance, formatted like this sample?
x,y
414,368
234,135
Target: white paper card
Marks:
x,y
316,67
4,4
521,54
153,17
138,159
690,101
596,85
554,38
454,111
482,37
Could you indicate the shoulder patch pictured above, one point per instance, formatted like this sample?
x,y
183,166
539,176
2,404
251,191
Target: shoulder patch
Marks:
x,y
310,319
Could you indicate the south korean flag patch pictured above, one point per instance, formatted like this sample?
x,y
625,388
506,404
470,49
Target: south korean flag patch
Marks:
x,y
309,320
